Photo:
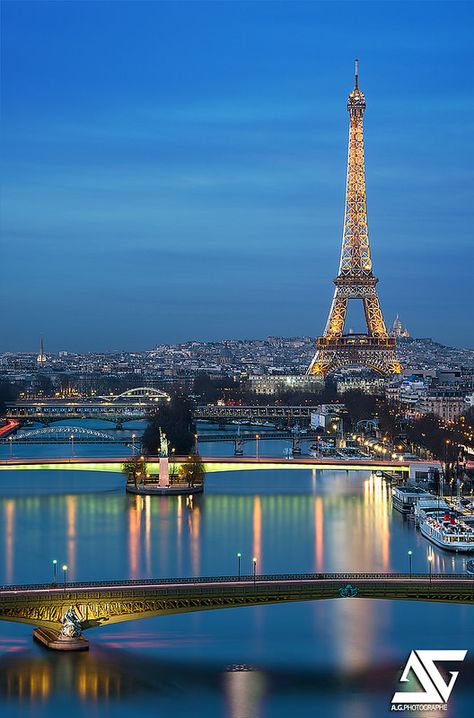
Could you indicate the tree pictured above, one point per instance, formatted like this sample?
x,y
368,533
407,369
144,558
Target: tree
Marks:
x,y
176,420
193,471
8,392
135,469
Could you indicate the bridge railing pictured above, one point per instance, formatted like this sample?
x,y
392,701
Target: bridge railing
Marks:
x,y
275,578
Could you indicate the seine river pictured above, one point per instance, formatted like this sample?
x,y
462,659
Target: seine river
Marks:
x,y
330,658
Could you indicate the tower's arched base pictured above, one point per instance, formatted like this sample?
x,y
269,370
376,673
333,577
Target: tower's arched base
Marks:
x,y
328,360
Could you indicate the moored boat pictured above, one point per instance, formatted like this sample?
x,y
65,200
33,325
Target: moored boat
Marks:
x,y
447,532
404,498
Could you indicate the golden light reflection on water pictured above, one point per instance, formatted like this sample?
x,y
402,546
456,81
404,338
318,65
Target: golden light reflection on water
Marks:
x,y
33,682
134,524
37,679
71,518
318,534
148,534
194,519
377,531
92,683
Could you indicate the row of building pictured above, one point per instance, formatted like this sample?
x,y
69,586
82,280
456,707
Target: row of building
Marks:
x,y
444,393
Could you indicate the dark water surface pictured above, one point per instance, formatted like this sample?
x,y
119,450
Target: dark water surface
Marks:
x,y
329,658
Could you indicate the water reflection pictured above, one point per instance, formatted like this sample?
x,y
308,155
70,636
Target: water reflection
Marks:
x,y
9,510
87,677
257,532
347,524
244,691
140,684
318,534
71,512
310,522
134,545
194,520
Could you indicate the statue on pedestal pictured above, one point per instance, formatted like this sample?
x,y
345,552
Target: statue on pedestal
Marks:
x,y
163,444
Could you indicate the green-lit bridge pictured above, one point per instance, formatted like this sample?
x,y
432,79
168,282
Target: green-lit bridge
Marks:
x,y
211,464
62,612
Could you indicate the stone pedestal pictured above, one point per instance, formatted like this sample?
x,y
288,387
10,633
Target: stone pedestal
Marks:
x,y
57,642
164,472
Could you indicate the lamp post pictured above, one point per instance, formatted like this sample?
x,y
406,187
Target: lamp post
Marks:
x,y
72,444
133,444
257,437
430,561
239,557
196,437
55,571
64,575
254,570
446,445
409,560
10,439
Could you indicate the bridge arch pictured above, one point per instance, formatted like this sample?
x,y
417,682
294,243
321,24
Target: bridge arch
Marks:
x,y
65,432
104,603
140,392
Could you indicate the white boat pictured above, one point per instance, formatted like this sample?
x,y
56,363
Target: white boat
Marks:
x,y
405,498
430,505
447,532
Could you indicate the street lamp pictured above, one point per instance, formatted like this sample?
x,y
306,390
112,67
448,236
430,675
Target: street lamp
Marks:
x,y
72,444
257,437
10,439
65,574
133,444
55,571
409,560
239,557
430,561
196,437
254,569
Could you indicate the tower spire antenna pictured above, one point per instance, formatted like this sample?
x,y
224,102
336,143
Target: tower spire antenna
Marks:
x,y
356,74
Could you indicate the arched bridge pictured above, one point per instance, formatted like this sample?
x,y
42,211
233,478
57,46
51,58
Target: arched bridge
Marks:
x,y
87,605
65,434
140,392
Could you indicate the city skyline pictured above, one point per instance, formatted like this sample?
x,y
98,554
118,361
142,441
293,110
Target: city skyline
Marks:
x,y
205,201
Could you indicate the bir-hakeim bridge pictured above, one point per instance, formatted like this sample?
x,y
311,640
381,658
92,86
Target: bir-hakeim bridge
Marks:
x,y
61,613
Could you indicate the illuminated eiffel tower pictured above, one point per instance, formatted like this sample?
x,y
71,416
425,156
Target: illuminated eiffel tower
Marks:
x,y
374,349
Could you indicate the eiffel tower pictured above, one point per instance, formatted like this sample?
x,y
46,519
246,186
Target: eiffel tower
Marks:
x,y
374,349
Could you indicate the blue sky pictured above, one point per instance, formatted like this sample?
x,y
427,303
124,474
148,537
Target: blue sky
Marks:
x,y
176,170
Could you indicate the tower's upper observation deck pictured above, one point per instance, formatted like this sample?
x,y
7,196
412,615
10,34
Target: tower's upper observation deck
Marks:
x,y
356,100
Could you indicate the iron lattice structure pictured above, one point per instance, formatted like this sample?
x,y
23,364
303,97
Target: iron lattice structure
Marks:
x,y
374,349
94,604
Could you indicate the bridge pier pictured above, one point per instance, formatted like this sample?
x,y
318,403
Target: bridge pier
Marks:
x,y
296,448
56,641
68,638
